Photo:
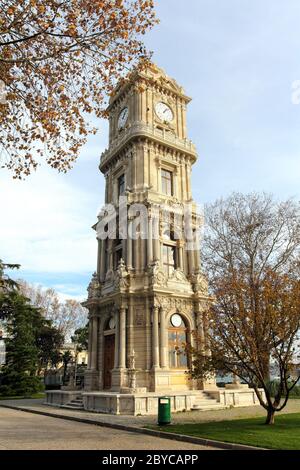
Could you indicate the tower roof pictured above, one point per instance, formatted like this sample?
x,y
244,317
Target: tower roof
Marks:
x,y
153,75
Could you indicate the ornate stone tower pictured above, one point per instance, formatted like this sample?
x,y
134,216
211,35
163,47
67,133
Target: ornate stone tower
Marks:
x,y
148,294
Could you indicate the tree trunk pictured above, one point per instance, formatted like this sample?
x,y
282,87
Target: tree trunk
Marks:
x,y
270,417
266,367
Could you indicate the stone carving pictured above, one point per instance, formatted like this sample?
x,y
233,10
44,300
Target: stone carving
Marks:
x,y
200,283
139,317
174,303
175,203
158,276
132,360
121,276
178,275
94,288
109,275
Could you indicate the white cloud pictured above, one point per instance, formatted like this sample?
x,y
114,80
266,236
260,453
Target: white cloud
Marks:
x,y
45,223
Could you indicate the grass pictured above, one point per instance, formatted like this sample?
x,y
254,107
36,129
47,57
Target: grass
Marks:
x,y
284,434
19,397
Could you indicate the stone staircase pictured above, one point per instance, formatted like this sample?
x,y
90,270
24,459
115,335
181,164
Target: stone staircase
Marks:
x,y
75,404
204,402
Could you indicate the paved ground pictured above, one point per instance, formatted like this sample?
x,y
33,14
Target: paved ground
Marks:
x,y
186,417
24,431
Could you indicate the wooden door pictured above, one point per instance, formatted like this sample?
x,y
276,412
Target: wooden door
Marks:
x,y
109,359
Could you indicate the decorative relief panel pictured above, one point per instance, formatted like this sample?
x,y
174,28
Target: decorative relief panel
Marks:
x,y
174,303
139,317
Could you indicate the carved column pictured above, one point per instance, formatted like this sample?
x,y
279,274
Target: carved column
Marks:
x,y
190,254
99,258
155,340
179,119
196,258
122,334
149,242
117,337
143,252
90,344
158,165
110,255
136,245
196,248
163,337
180,256
188,181
133,170
102,261
175,179
129,252
124,251
94,342
183,115
130,323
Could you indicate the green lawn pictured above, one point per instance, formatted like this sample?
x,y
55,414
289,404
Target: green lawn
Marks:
x,y
35,395
284,434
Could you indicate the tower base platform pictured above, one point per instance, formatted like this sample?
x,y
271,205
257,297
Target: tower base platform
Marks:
x,y
146,403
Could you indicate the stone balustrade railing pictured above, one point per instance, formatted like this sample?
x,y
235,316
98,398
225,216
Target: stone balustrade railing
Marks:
x,y
147,131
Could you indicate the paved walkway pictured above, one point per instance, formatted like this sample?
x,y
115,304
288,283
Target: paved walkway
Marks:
x,y
140,421
25,431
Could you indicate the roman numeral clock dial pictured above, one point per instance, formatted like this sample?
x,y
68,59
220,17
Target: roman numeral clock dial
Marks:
x,y
123,116
164,112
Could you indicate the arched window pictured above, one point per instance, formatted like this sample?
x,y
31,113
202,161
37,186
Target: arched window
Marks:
x,y
177,334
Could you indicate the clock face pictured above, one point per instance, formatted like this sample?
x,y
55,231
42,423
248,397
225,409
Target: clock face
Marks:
x,y
122,118
112,323
164,112
176,320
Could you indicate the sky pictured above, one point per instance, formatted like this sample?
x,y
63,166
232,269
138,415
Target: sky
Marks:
x,y
239,61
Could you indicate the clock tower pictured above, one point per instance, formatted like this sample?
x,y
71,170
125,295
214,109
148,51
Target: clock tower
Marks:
x,y
148,294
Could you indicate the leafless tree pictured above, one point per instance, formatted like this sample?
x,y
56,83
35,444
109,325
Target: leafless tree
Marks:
x,y
251,258
66,315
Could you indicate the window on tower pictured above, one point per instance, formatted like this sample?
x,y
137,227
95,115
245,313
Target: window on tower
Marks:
x,y
169,259
167,182
117,257
117,251
121,185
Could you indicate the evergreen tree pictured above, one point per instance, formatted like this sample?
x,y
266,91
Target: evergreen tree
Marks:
x,y
32,341
19,374
80,337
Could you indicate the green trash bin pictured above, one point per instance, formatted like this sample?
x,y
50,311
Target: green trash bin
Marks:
x,y
164,411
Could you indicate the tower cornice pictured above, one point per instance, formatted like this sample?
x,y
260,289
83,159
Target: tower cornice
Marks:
x,y
151,133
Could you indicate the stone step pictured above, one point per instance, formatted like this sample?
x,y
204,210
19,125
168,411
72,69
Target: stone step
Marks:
x,y
206,402
208,407
73,406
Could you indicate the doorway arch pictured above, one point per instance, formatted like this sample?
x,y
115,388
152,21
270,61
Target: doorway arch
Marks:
x,y
109,352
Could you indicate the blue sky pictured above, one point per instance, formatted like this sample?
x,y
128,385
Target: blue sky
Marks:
x,y
238,60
